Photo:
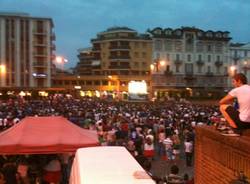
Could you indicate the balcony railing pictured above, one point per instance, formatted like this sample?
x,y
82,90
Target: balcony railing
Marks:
x,y
119,67
189,76
200,62
119,47
119,57
40,54
96,48
168,73
218,63
39,43
40,31
209,74
178,62
40,64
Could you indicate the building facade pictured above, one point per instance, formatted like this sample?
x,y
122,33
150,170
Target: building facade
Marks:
x,y
117,56
240,59
26,50
118,51
190,59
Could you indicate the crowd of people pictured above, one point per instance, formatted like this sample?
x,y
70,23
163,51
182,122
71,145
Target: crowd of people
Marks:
x,y
149,131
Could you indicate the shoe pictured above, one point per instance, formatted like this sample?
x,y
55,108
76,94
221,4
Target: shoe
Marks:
x,y
231,133
223,128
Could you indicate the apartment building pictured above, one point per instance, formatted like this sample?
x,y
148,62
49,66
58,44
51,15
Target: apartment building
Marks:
x,y
118,55
26,50
240,58
119,51
190,58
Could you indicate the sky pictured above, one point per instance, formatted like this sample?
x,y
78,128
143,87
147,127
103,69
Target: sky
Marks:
x,y
78,21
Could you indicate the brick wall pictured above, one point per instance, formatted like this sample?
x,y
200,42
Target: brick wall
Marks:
x,y
218,158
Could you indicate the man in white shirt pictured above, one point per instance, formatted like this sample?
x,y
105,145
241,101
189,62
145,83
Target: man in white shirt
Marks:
x,y
237,119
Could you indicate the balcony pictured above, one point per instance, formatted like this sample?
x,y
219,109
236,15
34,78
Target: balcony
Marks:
x,y
40,54
115,57
40,32
200,62
53,36
168,73
40,65
53,46
209,74
177,62
119,67
96,49
189,76
218,63
119,47
40,43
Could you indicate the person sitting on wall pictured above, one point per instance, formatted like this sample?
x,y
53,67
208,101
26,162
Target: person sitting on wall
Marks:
x,y
238,119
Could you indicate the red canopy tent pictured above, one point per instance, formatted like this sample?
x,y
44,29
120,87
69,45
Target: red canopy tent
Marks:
x,y
45,135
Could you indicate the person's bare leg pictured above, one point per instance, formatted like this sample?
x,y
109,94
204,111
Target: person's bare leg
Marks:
x,y
226,116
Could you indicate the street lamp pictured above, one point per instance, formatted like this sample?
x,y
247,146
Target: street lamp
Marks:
x,y
2,74
2,69
61,61
232,70
157,65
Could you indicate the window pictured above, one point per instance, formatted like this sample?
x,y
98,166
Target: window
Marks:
x,y
167,68
144,54
158,45
199,47
168,45
199,69
168,32
136,54
178,46
208,69
199,34
89,83
199,57
218,70
245,53
225,70
157,31
189,57
177,68
209,58
178,57
158,55
137,45
217,58
168,56
209,34
178,33
97,83
209,48
104,82
218,47
189,68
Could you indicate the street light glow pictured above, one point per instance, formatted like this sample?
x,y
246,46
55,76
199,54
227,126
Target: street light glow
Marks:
x,y
152,67
232,68
2,69
162,63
